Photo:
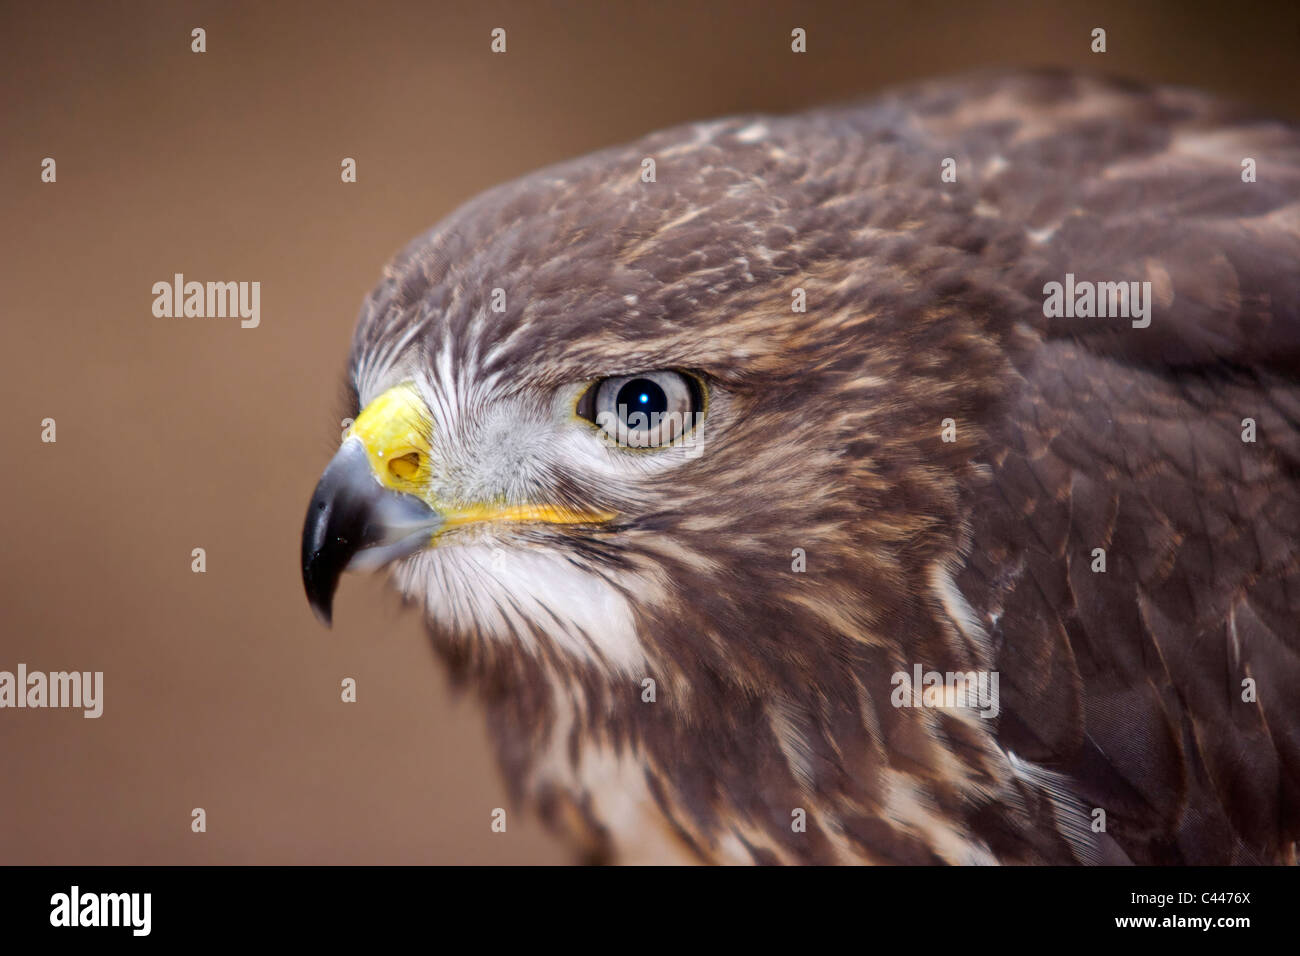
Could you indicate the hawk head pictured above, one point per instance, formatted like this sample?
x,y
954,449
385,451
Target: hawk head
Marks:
x,y
685,431
682,467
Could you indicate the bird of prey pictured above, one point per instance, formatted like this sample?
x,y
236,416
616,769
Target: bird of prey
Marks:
x,y
725,465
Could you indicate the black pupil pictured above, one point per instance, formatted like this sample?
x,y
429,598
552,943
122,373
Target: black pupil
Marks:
x,y
642,395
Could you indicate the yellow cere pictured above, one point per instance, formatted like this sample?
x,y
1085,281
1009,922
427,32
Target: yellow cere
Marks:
x,y
394,430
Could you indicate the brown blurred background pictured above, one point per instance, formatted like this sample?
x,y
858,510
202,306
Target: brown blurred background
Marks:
x,y
221,691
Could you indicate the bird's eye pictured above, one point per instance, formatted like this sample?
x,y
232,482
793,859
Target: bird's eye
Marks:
x,y
646,410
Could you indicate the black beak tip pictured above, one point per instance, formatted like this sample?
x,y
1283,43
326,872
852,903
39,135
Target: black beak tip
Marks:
x,y
351,512
324,614
320,570
320,589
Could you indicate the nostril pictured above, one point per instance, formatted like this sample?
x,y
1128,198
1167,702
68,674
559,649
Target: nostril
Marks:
x,y
405,466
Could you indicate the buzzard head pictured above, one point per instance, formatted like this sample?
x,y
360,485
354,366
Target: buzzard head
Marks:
x,y
679,447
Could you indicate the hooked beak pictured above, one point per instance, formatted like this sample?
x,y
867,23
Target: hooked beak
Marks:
x,y
354,523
